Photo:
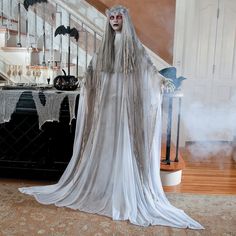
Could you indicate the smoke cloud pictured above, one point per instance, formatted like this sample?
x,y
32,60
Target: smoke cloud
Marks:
x,y
208,124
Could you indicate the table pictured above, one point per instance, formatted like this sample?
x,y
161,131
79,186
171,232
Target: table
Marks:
x,y
32,151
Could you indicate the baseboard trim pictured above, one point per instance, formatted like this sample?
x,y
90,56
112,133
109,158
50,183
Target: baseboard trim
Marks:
x,y
209,142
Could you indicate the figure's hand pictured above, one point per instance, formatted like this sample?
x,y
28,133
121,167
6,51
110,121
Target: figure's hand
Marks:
x,y
169,86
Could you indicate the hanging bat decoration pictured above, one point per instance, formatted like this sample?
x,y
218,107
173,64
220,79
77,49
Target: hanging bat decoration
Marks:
x,y
170,73
28,3
67,30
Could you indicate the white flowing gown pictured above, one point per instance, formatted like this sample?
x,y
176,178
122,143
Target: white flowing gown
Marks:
x,y
115,167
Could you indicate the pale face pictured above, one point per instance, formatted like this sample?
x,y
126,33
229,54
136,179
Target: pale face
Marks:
x,y
116,21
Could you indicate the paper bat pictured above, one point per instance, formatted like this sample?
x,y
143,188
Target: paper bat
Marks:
x,y
28,3
67,30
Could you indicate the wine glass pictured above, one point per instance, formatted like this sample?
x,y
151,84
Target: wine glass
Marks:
x,y
34,74
14,71
28,71
20,71
28,74
38,74
9,71
48,80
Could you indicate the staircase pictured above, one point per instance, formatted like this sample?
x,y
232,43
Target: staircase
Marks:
x,y
29,51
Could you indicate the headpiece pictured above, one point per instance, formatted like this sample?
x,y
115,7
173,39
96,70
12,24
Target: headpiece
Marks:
x,y
116,9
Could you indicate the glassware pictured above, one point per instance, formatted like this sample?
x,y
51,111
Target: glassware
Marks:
x,y
28,71
9,71
48,80
14,70
34,74
20,72
38,74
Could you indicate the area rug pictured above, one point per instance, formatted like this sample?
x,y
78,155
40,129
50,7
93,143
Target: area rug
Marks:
x,y
21,215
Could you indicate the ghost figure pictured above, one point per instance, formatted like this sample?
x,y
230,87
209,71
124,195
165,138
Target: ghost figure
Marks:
x,y
115,166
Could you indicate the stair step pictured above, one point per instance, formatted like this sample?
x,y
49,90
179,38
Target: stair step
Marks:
x,y
11,39
14,49
12,31
11,20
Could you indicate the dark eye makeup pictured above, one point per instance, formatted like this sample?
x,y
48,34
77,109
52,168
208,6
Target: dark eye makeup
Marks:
x,y
118,17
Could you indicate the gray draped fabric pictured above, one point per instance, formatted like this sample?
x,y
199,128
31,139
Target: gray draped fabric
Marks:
x,y
50,111
8,101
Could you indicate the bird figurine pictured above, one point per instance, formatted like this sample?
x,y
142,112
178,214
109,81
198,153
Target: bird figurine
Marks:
x,y
170,73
